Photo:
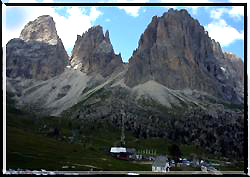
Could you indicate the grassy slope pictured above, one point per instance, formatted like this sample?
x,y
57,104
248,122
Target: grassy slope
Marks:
x,y
26,148
32,151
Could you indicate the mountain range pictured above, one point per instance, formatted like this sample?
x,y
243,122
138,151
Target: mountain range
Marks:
x,y
178,84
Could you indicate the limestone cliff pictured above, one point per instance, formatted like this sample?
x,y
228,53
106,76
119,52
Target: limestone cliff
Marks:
x,y
177,52
38,53
93,52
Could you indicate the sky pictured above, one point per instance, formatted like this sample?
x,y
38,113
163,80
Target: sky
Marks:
x,y
126,23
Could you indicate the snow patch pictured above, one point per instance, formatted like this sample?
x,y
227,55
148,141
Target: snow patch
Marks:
x,y
223,69
76,66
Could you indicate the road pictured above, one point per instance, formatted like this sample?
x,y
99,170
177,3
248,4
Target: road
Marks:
x,y
148,172
126,172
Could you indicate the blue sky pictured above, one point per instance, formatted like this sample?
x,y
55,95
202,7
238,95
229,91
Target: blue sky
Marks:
x,y
126,24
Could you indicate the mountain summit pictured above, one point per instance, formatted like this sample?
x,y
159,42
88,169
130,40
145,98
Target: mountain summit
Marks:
x,y
176,51
42,29
93,52
38,53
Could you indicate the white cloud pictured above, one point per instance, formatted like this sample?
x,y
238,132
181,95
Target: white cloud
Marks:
x,y
130,10
217,13
75,22
94,13
223,33
108,20
237,12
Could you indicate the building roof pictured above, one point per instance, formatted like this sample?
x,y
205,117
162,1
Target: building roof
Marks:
x,y
160,161
131,150
117,149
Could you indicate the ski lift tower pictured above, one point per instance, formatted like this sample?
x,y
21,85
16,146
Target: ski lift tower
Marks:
x,y
122,128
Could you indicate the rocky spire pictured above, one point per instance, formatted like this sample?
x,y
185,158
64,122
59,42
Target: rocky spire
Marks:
x,y
107,36
42,29
38,53
93,53
217,49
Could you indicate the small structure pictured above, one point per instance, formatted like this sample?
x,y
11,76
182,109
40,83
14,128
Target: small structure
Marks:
x,y
185,162
123,153
172,163
138,157
160,164
131,153
119,152
203,168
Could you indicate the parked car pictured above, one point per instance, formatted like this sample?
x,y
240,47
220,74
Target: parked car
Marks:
x,y
172,163
186,162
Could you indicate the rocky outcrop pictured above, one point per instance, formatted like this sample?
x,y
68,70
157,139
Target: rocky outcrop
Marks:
x,y
234,71
42,29
93,52
38,53
177,52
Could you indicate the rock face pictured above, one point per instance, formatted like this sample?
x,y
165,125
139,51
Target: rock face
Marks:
x,y
93,52
38,53
177,52
42,29
234,71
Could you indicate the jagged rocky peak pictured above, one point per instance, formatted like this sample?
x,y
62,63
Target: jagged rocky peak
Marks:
x,y
42,29
177,52
93,53
232,56
38,53
217,49
107,36
237,66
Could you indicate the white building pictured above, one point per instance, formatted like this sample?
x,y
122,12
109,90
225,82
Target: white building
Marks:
x,y
117,149
160,164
